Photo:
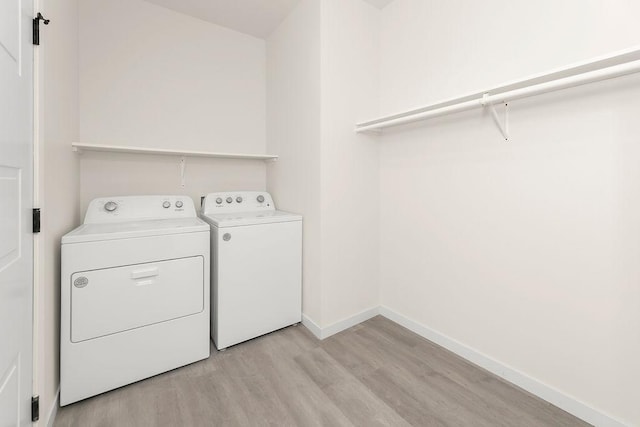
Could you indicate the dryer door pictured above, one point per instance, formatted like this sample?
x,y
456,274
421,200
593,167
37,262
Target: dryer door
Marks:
x,y
113,300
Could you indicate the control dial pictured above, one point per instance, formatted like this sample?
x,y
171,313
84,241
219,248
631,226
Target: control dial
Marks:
x,y
110,206
166,204
260,198
239,199
179,204
229,199
219,200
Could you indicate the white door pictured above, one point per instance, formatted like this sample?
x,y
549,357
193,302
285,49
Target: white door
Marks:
x,y
16,181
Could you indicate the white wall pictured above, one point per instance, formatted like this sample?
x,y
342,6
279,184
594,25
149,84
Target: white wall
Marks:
x,y
322,78
293,132
349,166
152,77
526,251
109,174
58,182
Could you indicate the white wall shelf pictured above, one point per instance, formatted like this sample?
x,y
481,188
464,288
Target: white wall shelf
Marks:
x,y
79,147
601,68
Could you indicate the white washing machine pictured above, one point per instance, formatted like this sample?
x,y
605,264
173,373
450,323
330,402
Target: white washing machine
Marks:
x,y
135,293
256,265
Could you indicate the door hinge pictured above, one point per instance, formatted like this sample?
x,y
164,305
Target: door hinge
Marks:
x,y
36,27
35,408
36,220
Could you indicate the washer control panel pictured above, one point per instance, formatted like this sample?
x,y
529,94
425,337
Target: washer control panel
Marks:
x,y
237,201
130,208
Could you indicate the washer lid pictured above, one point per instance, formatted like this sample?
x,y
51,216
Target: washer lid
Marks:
x,y
251,218
132,229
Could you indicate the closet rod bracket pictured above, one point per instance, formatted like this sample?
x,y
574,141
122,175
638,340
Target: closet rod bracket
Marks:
x,y
502,125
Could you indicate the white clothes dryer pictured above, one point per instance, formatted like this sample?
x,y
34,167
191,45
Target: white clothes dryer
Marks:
x,y
256,266
134,293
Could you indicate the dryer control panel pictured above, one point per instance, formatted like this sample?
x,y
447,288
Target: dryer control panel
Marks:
x,y
237,201
131,208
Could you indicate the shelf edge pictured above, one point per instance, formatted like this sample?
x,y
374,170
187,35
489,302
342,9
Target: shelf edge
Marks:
x,y
79,147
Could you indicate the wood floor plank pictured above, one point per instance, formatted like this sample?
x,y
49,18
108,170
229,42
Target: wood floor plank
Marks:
x,y
210,397
405,404
506,401
362,407
355,354
307,404
354,399
426,373
374,374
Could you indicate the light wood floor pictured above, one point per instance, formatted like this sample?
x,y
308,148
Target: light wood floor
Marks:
x,y
376,373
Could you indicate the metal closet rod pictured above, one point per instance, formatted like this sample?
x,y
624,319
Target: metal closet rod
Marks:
x,y
568,80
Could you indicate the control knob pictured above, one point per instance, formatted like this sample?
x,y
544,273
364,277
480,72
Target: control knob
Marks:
x,y
260,198
229,199
179,204
110,206
219,200
239,199
166,204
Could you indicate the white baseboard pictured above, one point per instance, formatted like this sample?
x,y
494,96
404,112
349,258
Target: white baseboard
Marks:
x,y
349,322
520,379
53,411
312,326
339,326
